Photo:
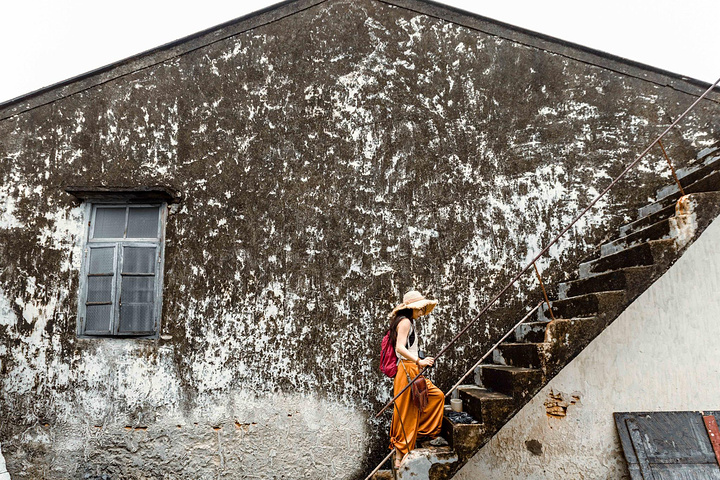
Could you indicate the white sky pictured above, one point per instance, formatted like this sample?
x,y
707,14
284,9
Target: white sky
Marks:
x,y
45,41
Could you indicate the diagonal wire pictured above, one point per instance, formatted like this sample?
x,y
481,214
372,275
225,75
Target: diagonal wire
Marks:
x,y
555,240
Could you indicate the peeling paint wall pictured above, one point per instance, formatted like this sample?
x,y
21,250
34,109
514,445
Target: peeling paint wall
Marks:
x,y
329,161
659,354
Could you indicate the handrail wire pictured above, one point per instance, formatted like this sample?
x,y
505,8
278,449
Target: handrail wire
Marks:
x,y
554,241
382,462
465,375
542,286
672,169
542,252
477,364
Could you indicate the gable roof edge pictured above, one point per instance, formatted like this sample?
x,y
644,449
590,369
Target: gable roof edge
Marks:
x,y
557,46
154,56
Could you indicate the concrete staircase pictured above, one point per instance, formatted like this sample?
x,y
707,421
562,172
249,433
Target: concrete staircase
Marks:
x,y
604,285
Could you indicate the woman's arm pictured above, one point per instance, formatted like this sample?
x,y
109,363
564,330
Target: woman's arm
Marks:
x,y
403,329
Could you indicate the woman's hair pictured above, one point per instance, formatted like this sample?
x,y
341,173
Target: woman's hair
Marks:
x,y
399,315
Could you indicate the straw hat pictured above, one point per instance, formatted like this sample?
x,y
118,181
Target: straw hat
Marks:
x,y
415,300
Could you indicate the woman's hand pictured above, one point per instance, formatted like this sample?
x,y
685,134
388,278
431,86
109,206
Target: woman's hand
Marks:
x,y
426,362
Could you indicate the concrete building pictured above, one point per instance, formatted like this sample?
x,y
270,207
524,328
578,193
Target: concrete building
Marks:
x,y
200,244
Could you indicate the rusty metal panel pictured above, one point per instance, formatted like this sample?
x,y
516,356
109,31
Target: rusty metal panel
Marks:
x,y
667,446
712,430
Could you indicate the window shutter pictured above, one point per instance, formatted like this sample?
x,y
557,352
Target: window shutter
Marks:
x,y
137,290
99,299
122,270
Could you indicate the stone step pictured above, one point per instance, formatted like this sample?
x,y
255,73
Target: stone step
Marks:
x,y
588,305
649,253
707,151
529,355
531,332
417,464
549,332
688,176
709,183
646,221
491,408
517,382
657,231
629,278
465,438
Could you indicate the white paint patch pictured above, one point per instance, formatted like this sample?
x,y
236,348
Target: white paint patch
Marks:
x,y
7,316
65,232
656,356
7,211
4,475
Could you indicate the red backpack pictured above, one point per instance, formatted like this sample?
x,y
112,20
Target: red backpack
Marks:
x,y
388,359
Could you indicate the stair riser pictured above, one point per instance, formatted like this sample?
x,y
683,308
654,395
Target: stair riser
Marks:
x,y
530,355
652,253
584,306
628,279
464,438
659,231
710,183
530,333
604,283
645,222
489,412
517,385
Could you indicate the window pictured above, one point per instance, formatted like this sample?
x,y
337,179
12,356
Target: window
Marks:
x,y
121,282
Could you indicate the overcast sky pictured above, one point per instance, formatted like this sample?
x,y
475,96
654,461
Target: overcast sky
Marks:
x,y
45,41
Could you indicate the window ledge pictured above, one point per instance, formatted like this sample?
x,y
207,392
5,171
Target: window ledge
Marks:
x,y
125,194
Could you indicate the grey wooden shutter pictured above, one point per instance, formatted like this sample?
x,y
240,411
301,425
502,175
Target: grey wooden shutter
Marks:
x,y
667,446
137,290
123,270
99,299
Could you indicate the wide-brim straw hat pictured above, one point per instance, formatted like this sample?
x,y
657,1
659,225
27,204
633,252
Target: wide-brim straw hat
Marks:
x,y
415,300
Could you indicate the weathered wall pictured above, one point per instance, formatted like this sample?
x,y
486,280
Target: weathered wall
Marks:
x,y
329,161
659,355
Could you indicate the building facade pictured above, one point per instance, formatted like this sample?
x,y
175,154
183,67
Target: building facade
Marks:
x,y
201,244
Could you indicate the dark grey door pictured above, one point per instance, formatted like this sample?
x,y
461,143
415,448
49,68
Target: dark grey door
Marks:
x,y
668,445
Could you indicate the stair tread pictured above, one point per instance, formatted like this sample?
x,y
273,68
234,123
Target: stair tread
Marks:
x,y
691,175
590,294
665,212
639,246
609,273
484,394
642,254
547,323
509,368
659,225
693,187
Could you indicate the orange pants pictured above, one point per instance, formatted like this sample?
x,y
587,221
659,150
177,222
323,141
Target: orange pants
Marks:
x,y
408,422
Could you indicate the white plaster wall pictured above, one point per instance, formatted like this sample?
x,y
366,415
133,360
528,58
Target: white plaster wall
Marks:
x,y
4,475
660,354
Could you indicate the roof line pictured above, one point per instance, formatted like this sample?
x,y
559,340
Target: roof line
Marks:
x,y
151,57
555,45
154,56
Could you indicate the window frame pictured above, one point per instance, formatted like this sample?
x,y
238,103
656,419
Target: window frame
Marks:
x,y
118,244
